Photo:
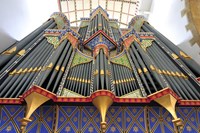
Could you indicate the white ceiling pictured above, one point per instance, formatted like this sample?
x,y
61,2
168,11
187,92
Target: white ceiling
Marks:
x,y
123,10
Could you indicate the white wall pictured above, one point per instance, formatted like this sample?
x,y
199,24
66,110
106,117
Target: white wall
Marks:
x,y
192,51
21,17
166,17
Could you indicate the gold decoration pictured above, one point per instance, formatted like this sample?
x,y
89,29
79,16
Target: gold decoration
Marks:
x,y
103,103
116,82
96,72
39,68
174,56
107,72
13,72
102,72
168,73
177,74
62,69
145,70
169,102
10,51
33,100
159,71
173,74
25,70
20,70
139,71
35,69
21,52
164,72
184,55
152,68
100,38
30,70
57,68
50,66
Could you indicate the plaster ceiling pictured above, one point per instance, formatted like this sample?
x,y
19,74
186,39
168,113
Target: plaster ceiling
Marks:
x,y
123,10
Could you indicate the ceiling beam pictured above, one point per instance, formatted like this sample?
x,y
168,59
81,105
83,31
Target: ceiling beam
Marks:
x,y
75,12
59,5
120,17
90,6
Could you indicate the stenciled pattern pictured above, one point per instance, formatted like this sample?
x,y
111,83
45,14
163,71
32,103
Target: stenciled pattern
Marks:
x,y
146,43
53,40
80,58
100,39
10,116
87,119
121,60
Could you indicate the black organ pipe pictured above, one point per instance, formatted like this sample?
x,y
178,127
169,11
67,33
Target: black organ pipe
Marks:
x,y
139,68
194,94
58,64
24,79
17,78
179,63
32,76
106,71
25,61
29,47
101,70
190,63
149,62
97,76
116,81
177,88
25,41
84,78
64,65
142,64
83,31
53,59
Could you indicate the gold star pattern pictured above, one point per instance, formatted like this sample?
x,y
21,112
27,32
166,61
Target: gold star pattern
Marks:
x,y
91,110
192,119
75,119
97,119
185,111
9,128
113,129
118,119
134,110
168,119
128,119
61,119
90,129
135,129
84,119
49,119
189,128
68,128
141,119
12,110
112,110
69,110
4,118
19,118
153,119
